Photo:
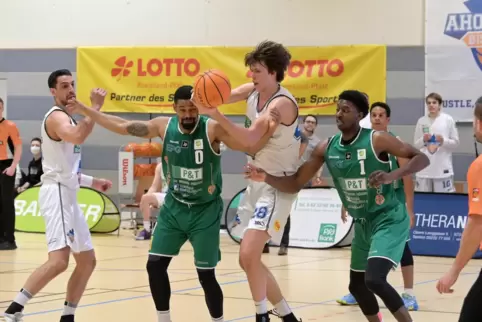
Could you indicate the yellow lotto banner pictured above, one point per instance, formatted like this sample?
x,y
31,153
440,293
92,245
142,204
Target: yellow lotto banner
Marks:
x,y
144,79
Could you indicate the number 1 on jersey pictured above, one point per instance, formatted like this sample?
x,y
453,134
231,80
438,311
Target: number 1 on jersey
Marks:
x,y
198,156
362,167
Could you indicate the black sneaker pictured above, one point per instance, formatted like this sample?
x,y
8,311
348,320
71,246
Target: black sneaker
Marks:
x,y
8,245
262,317
67,318
287,318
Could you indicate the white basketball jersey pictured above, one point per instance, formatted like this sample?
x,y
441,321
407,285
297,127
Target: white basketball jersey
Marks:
x,y
60,159
280,156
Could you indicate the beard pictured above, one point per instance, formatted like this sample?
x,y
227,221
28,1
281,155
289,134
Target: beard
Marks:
x,y
188,123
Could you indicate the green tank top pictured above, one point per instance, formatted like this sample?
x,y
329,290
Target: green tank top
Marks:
x,y
191,167
397,184
350,166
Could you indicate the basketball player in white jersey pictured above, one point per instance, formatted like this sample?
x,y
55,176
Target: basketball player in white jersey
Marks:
x,y
263,212
153,198
66,230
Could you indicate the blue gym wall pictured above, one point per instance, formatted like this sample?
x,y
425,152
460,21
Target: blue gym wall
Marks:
x,y
28,99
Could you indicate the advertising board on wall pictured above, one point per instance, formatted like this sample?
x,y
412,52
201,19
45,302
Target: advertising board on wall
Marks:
x,y
144,79
453,54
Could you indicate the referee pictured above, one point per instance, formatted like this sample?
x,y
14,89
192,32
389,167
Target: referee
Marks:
x,y
10,154
472,235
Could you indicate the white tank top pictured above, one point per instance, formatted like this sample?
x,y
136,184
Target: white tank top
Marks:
x,y
60,159
280,156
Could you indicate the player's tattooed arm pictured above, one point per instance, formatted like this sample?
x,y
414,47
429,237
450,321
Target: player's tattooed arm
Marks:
x,y
295,182
384,142
145,129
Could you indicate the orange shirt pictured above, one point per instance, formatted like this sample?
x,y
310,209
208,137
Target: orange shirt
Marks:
x,y
9,138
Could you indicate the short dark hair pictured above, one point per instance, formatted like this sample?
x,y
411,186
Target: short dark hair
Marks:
x,y
273,55
478,109
1,101
310,115
183,93
382,105
434,96
36,139
52,81
357,98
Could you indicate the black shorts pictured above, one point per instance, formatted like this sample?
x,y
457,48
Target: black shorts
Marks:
x,y
471,308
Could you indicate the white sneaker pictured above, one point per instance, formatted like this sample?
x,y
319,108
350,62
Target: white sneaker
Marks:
x,y
17,317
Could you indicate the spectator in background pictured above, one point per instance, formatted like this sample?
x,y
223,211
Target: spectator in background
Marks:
x,y
436,136
10,154
34,167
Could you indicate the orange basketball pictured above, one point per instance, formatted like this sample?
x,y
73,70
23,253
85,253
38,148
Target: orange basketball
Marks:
x,y
212,88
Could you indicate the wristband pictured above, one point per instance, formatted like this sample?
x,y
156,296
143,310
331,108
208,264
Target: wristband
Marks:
x,y
86,181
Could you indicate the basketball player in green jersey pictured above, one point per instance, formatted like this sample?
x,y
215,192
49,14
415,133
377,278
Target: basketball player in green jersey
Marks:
x,y
358,160
193,206
380,118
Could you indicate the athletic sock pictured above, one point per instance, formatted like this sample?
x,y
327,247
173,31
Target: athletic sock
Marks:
x,y
163,316
261,307
69,308
221,319
283,308
147,225
19,302
409,291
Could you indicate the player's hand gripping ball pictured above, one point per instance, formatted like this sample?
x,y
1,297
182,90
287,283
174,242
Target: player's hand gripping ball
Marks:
x,y
211,89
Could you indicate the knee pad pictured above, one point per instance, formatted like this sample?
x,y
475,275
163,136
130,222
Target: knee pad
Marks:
x,y
376,274
157,264
212,292
357,282
207,277
366,300
407,257
376,281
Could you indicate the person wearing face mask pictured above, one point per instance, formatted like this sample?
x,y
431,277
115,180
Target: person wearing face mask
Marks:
x,y
34,167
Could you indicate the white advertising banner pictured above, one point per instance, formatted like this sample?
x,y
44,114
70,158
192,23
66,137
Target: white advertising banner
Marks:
x,y
315,219
453,54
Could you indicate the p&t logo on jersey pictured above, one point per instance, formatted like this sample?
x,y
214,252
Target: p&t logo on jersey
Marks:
x,y
468,28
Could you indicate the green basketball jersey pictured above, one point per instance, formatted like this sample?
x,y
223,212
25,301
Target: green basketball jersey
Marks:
x,y
190,165
350,166
397,184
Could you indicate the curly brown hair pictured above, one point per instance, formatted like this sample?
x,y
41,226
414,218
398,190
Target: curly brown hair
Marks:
x,y
271,54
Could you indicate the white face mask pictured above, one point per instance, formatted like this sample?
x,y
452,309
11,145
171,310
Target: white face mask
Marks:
x,y
35,150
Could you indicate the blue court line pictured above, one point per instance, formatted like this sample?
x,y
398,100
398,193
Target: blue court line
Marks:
x,y
199,287
130,298
333,300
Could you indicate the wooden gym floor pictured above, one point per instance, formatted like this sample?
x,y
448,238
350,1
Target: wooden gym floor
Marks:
x,y
311,280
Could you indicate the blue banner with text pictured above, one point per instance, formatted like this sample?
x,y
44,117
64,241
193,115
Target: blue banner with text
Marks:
x,y
440,221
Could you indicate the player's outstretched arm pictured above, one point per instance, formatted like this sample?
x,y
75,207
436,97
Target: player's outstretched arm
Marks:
x,y
145,129
295,182
240,93
385,142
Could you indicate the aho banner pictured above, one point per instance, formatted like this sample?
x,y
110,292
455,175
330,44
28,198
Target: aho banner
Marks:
x,y
453,54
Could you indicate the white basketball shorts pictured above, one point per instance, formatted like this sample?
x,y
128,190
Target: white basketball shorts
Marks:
x,y
262,207
442,185
160,196
65,224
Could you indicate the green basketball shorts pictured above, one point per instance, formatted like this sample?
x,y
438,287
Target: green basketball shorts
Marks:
x,y
383,236
200,224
